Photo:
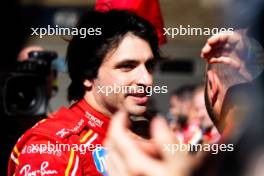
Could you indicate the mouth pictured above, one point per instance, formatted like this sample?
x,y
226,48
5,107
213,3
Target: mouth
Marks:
x,y
139,98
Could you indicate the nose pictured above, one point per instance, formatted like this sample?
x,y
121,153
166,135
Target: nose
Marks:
x,y
144,77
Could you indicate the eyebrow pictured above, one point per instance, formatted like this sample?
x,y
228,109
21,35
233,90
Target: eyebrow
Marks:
x,y
131,60
128,61
134,61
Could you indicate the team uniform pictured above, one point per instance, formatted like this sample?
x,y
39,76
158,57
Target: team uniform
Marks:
x,y
68,142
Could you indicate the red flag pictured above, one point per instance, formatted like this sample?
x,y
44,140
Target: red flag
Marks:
x,y
148,9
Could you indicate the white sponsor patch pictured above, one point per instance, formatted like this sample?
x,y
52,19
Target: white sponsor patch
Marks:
x,y
43,170
93,121
64,131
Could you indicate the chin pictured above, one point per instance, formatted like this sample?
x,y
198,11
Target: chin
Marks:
x,y
134,108
137,110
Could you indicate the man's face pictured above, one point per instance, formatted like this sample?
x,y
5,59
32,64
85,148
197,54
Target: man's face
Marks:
x,y
175,106
129,65
179,106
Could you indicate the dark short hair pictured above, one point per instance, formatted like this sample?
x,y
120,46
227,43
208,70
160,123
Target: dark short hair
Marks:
x,y
228,75
85,55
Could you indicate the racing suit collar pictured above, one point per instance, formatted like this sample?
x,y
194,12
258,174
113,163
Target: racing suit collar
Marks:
x,y
96,120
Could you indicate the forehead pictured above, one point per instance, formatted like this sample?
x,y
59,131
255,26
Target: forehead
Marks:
x,y
131,47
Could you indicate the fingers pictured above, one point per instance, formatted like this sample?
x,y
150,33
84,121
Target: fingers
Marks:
x,y
226,60
216,41
218,52
208,50
162,135
222,41
228,49
147,147
218,38
224,37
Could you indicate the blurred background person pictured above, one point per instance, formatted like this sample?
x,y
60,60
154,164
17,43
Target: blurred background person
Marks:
x,y
188,117
178,116
200,118
180,103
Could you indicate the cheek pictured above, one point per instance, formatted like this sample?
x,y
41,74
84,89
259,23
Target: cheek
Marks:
x,y
111,77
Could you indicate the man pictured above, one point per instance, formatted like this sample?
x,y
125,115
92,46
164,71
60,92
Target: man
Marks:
x,y
198,112
200,117
228,64
180,101
69,141
178,115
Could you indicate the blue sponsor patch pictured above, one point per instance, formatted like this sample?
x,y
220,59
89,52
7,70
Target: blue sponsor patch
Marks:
x,y
99,155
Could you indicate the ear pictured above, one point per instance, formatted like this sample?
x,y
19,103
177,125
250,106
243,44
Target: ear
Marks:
x,y
213,86
88,83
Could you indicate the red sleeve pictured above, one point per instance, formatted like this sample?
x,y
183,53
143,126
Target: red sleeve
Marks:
x,y
40,156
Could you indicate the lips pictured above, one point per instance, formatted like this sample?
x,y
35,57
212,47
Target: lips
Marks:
x,y
139,98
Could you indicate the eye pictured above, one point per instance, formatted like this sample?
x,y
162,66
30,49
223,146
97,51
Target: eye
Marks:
x,y
150,65
126,67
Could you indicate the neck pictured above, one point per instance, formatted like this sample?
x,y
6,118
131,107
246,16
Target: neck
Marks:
x,y
90,98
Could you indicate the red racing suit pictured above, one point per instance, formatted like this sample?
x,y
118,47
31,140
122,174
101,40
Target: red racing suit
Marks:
x,y
68,142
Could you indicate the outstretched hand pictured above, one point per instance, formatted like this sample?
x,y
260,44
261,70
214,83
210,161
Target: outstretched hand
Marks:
x,y
228,49
129,155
